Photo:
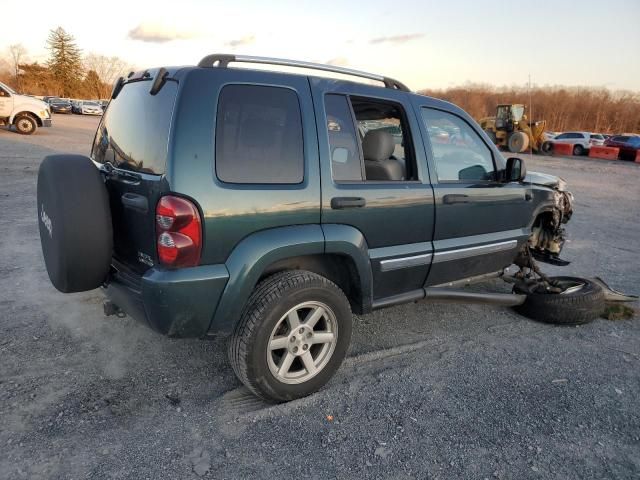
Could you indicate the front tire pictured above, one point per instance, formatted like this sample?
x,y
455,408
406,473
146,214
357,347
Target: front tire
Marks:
x,y
25,124
292,337
578,150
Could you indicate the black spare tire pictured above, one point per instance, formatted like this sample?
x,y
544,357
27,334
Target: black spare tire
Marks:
x,y
75,222
580,301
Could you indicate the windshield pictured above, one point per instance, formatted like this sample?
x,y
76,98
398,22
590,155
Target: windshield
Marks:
x,y
7,88
90,104
518,111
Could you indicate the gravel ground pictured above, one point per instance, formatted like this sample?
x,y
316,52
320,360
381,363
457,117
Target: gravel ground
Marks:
x,y
428,391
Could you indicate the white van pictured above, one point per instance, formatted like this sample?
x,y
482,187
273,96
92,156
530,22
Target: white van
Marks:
x,y
26,113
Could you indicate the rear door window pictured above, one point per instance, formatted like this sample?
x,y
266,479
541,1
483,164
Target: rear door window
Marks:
x,y
259,135
134,131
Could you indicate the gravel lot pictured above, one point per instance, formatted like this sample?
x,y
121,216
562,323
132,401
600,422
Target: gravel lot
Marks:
x,y
429,390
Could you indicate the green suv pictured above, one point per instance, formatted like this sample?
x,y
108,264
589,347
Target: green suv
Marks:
x,y
269,206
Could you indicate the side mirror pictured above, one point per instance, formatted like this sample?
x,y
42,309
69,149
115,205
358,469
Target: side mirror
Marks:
x,y
515,171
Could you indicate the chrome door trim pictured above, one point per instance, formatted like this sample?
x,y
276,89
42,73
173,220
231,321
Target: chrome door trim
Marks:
x,y
405,262
467,252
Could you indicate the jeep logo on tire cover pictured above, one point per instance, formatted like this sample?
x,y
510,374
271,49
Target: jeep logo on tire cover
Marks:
x,y
46,221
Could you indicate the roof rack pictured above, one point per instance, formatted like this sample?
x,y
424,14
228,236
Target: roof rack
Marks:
x,y
223,60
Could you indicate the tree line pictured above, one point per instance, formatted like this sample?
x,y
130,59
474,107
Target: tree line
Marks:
x,y
564,108
67,72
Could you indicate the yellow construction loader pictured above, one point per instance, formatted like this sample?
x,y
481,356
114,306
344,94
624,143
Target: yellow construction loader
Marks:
x,y
511,129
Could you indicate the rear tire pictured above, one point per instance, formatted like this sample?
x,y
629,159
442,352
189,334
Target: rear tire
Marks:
x,y
546,148
74,219
574,308
271,347
25,124
578,150
518,142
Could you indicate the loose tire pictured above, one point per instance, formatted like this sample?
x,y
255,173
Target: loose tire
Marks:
x,y
582,305
74,219
492,135
578,150
25,124
292,337
518,142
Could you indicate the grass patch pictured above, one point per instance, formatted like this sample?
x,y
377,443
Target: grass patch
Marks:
x,y
618,311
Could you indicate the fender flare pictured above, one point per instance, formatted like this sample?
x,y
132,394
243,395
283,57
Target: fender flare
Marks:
x,y
250,258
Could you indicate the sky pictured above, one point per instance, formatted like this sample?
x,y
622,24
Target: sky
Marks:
x,y
425,44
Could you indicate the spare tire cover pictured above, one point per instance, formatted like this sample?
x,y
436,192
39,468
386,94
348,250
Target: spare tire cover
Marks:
x,y
74,219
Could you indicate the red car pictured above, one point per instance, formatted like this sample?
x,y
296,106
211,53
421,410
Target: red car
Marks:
x,y
628,145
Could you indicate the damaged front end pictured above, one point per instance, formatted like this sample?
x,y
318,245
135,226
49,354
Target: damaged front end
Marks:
x,y
548,234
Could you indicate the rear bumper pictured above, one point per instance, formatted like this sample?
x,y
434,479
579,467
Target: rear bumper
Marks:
x,y
177,303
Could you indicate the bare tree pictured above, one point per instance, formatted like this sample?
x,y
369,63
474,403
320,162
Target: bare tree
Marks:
x,y
108,69
17,53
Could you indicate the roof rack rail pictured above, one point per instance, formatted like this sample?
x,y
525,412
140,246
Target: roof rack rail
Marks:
x,y
223,60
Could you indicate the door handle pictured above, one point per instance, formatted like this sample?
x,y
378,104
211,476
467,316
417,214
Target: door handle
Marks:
x,y
135,201
455,198
339,203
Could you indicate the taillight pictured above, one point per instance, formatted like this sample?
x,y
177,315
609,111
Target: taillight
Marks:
x,y
179,232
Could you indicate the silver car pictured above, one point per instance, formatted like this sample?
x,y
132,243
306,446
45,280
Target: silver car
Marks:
x,y
90,108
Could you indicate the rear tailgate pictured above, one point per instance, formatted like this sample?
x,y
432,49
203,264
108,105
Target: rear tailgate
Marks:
x,y
131,147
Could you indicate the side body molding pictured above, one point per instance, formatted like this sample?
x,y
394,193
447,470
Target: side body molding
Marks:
x,y
349,241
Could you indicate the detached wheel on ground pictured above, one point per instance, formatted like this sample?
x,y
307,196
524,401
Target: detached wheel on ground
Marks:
x,y
518,142
580,301
25,124
292,337
74,219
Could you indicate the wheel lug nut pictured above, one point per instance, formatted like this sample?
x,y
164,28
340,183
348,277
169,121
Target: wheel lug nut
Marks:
x,y
293,339
301,331
295,349
305,346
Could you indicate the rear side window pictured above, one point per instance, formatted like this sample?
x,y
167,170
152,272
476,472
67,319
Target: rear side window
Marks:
x,y
345,155
259,135
134,132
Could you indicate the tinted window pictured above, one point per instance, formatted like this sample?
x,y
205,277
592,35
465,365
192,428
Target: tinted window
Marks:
x,y
259,135
345,156
562,136
134,132
459,152
621,138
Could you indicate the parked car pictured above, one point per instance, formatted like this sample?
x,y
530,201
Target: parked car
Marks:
x,y
89,107
549,135
59,105
272,226
596,139
581,141
628,145
25,113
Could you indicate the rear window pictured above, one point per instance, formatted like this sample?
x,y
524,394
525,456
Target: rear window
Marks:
x,y
134,132
259,135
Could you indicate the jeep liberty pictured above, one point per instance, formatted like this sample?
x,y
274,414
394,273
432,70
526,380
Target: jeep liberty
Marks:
x,y
269,206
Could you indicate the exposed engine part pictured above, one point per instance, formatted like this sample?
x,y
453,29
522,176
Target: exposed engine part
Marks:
x,y
547,235
530,276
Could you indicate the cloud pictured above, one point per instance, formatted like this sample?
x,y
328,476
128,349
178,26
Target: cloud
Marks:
x,y
338,62
397,39
158,33
240,42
